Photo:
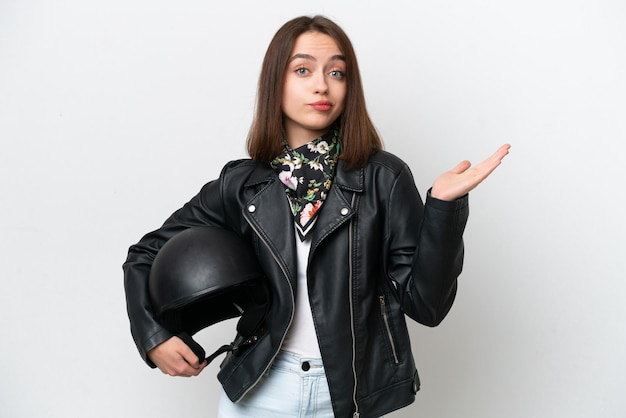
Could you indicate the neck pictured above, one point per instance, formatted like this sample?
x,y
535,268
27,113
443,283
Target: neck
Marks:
x,y
298,136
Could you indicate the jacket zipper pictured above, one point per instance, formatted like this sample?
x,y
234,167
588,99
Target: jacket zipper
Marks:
x,y
352,325
293,303
385,316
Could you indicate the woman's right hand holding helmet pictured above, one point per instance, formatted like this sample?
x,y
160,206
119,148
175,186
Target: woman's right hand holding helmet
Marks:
x,y
173,357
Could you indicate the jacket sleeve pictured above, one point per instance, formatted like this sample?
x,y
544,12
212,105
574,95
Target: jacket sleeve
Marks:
x,y
426,249
204,209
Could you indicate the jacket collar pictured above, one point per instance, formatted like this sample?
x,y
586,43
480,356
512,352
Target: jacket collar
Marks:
x,y
349,180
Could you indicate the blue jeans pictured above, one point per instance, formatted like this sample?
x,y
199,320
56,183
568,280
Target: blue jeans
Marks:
x,y
295,387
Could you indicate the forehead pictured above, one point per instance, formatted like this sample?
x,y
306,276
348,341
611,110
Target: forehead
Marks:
x,y
315,43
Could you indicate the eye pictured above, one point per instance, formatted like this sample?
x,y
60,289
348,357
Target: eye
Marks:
x,y
302,71
337,74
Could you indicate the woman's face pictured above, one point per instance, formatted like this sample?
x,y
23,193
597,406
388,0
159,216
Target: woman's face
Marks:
x,y
314,88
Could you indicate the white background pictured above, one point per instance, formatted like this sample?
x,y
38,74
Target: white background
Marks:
x,y
113,114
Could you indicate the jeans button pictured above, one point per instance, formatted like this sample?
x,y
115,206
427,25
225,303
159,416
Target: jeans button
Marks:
x,y
306,366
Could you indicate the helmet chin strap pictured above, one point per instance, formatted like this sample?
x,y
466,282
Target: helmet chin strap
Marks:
x,y
249,328
200,353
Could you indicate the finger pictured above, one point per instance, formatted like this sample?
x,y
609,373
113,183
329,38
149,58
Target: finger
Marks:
x,y
179,368
494,160
194,365
182,368
461,167
501,152
193,371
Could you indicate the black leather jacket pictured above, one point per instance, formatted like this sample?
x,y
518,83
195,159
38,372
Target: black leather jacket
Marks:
x,y
377,254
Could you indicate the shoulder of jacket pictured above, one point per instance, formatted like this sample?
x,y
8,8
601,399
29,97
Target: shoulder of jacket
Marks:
x,y
241,164
239,168
246,172
388,161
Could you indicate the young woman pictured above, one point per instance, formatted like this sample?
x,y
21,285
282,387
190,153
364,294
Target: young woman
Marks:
x,y
341,233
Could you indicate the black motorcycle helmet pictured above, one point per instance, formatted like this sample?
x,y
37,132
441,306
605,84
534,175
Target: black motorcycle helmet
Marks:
x,y
204,275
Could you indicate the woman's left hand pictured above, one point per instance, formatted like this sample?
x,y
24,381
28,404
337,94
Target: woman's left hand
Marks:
x,y
463,178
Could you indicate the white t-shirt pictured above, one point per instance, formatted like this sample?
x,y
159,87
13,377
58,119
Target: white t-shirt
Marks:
x,y
301,337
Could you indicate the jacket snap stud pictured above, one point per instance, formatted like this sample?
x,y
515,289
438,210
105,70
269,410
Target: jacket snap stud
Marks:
x,y
251,208
345,211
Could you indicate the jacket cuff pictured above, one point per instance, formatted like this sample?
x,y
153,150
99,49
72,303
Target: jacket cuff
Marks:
x,y
152,342
447,205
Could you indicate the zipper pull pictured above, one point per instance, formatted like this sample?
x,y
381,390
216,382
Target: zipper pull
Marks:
x,y
356,415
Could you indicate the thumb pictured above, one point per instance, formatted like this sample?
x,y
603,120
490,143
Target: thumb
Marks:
x,y
187,353
195,348
461,167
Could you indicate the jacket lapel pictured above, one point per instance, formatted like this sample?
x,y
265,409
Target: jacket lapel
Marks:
x,y
337,207
268,213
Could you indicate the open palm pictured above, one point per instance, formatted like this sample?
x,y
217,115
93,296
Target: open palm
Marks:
x,y
463,178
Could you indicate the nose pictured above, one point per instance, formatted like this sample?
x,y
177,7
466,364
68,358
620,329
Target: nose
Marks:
x,y
320,83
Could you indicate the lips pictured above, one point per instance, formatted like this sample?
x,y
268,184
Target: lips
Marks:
x,y
322,105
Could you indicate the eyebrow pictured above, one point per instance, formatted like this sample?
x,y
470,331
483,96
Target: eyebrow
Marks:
x,y
312,58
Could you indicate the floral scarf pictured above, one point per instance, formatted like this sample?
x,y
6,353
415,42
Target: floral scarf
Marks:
x,y
308,172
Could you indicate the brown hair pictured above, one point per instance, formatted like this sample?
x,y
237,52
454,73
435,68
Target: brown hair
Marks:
x,y
359,138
